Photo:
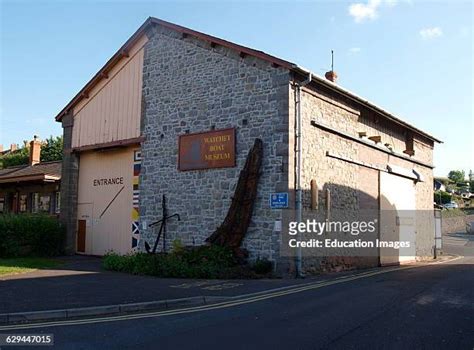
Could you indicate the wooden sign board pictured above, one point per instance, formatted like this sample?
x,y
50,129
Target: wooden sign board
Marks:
x,y
207,150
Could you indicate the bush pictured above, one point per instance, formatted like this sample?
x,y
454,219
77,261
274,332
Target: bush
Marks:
x,y
200,262
262,266
38,235
452,213
441,197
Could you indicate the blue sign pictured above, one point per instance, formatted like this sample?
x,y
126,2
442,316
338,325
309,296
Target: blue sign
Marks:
x,y
279,200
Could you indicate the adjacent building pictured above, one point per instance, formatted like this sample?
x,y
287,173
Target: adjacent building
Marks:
x,y
33,187
174,112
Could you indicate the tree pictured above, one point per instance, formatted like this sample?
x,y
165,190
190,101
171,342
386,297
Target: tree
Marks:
x,y
456,175
14,158
52,149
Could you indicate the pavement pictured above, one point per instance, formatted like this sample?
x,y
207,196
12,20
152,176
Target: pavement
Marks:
x,y
82,282
82,288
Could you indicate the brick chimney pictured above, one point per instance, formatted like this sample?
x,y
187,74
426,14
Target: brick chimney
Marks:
x,y
1,148
331,75
35,151
13,147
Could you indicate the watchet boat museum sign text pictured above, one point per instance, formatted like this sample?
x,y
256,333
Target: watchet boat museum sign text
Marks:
x,y
206,150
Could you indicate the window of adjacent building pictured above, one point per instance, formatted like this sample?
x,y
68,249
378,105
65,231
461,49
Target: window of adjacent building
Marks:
x,y
58,202
23,203
44,203
35,203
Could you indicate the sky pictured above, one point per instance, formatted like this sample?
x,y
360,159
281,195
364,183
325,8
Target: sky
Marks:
x,y
412,58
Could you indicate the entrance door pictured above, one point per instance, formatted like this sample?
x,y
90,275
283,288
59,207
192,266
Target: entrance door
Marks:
x,y
85,227
397,218
81,236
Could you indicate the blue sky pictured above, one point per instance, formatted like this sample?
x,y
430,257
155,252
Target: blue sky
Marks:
x,y
413,58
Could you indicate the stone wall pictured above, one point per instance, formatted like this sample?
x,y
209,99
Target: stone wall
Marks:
x,y
69,185
455,224
189,86
354,187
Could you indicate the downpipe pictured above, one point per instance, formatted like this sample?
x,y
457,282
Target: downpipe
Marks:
x,y
299,191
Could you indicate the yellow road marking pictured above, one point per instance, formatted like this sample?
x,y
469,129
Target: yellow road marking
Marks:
x,y
225,304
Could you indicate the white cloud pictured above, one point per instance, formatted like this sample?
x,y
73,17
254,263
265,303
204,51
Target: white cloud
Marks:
x,y
354,50
369,11
431,33
362,12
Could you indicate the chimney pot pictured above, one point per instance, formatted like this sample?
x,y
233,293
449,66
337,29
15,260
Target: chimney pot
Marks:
x,y
331,76
35,151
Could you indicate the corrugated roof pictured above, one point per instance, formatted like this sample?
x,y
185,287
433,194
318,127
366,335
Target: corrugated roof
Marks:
x,y
122,52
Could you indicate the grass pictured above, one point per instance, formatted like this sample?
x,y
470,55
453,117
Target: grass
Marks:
x,y
23,265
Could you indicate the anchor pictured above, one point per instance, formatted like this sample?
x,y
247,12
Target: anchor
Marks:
x,y
162,230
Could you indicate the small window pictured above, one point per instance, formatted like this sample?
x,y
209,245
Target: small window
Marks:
x,y
2,204
23,203
35,203
44,203
58,202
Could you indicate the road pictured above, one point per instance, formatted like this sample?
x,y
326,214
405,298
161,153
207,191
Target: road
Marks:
x,y
428,307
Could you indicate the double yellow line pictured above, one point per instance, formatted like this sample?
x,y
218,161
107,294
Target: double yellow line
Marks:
x,y
226,304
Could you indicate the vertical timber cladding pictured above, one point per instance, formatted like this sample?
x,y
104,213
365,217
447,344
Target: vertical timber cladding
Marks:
x,y
108,200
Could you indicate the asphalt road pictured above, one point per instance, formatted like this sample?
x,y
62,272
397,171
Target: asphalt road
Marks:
x,y
420,308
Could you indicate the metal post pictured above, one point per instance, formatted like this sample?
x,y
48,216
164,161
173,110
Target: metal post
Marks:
x,y
299,192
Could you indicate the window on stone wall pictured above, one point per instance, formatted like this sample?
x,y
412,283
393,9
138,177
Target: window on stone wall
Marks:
x,y
58,202
23,203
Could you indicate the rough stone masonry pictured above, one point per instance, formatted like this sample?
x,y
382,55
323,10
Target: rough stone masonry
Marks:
x,y
191,85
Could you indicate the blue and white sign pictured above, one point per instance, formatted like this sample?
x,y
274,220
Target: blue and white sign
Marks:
x,y
279,200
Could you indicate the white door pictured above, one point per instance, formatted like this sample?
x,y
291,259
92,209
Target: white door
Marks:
x,y
397,217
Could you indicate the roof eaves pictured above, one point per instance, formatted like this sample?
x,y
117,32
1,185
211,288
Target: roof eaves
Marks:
x,y
110,63
365,102
246,50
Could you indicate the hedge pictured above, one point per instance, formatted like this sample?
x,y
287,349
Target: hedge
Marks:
x,y
30,235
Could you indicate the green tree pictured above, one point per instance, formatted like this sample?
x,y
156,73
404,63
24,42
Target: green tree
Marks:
x,y
52,149
18,157
456,175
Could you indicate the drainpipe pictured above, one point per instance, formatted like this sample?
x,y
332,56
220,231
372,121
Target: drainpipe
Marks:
x,y
299,192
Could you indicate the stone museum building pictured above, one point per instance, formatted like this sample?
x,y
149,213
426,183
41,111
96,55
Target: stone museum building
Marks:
x,y
175,112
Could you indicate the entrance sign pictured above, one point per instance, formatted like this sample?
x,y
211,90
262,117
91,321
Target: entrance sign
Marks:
x,y
207,150
279,200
